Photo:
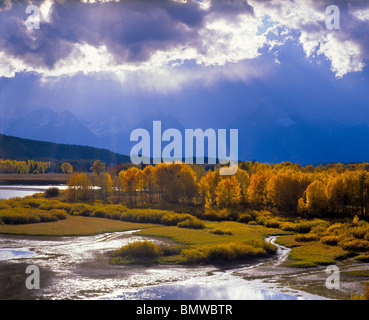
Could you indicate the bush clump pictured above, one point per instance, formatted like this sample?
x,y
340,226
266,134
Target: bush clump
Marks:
x,y
221,232
305,226
139,249
330,240
52,192
193,223
26,215
355,245
288,226
307,237
227,252
100,213
362,257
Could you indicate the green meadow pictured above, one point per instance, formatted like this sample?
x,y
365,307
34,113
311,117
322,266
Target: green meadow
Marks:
x,y
189,238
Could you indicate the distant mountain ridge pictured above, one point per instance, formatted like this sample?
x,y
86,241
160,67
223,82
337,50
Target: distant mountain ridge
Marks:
x,y
26,149
47,125
265,135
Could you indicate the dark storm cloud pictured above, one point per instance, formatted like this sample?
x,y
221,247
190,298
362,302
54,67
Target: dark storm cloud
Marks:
x,y
131,30
232,7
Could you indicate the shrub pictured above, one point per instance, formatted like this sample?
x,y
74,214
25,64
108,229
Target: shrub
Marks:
x,y
221,232
170,250
211,214
330,240
115,216
32,203
100,214
306,237
51,192
272,223
25,215
3,205
360,232
362,257
85,212
336,229
139,249
226,252
355,245
244,218
304,226
193,255
172,219
59,213
19,219
263,216
81,209
288,226
47,217
193,223
221,252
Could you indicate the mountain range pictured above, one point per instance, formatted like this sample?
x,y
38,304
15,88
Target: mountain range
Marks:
x,y
263,136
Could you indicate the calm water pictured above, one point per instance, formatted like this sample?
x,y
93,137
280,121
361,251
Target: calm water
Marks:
x,y
8,192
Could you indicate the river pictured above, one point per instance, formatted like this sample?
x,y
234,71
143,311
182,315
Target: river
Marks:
x,y
78,268
12,191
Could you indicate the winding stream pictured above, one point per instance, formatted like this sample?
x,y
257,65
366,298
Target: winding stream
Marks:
x,y
78,268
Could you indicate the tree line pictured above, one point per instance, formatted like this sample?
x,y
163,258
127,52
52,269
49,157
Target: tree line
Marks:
x,y
24,167
40,167
292,189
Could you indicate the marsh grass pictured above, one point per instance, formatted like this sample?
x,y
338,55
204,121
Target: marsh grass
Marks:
x,y
238,242
139,249
221,232
145,252
313,241
311,253
228,252
72,226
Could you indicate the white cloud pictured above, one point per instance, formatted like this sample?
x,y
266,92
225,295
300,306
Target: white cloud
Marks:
x,y
46,10
362,14
305,17
343,55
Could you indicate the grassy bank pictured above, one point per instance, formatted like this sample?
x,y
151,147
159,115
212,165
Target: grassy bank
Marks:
x,y
197,240
72,226
236,243
34,179
311,253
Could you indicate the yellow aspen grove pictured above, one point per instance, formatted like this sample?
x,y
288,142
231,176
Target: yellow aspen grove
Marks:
x,y
228,193
66,167
79,187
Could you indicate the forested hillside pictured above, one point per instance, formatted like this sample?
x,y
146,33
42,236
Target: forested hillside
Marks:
x,y
25,149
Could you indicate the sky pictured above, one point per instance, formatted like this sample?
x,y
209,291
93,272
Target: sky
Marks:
x,y
207,63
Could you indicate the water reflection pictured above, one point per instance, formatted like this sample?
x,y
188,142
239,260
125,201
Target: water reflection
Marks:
x,y
80,270
8,254
8,192
231,290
